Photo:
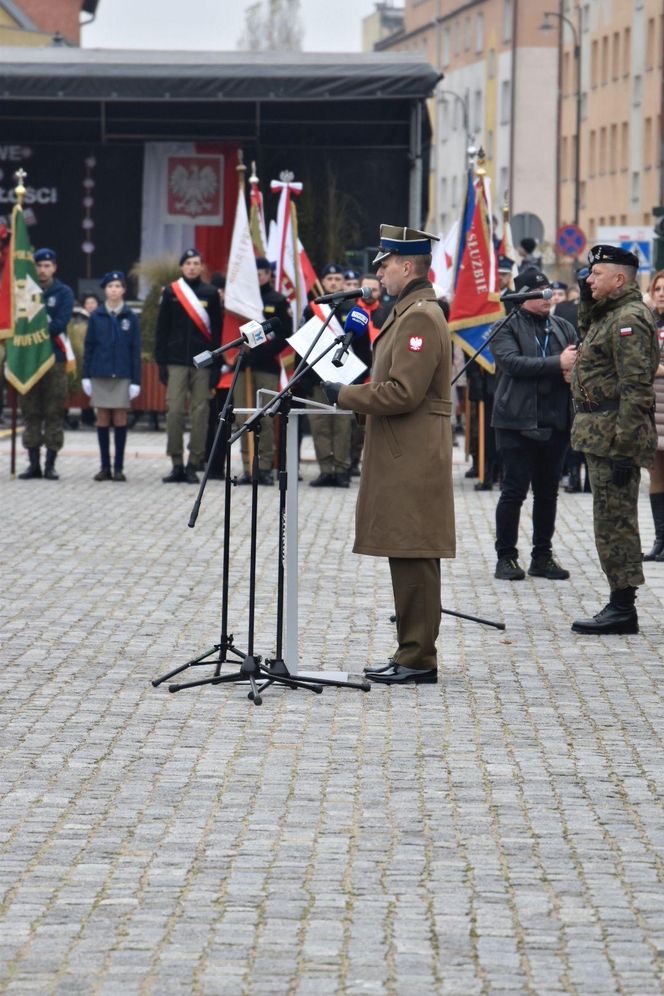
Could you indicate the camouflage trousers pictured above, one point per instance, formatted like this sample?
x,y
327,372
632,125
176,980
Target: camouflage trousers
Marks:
x,y
616,523
43,409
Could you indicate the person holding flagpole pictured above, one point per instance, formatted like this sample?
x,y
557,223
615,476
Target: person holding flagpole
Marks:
x,y
44,404
189,321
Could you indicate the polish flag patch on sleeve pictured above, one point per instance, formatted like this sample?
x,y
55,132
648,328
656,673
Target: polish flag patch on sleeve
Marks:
x,y
627,330
415,343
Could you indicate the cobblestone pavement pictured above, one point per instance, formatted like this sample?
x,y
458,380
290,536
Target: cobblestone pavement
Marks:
x,y
502,830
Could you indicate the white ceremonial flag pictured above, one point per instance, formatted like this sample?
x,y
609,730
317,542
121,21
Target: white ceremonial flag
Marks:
x,y
302,340
243,295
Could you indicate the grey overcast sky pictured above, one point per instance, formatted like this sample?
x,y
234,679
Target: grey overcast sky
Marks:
x,y
329,25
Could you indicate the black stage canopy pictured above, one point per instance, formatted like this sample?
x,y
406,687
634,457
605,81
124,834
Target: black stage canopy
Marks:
x,y
355,124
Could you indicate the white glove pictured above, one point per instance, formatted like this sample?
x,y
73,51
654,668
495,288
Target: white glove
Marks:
x,y
134,391
87,387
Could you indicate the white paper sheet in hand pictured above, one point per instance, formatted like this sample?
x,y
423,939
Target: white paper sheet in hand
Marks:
x,y
302,339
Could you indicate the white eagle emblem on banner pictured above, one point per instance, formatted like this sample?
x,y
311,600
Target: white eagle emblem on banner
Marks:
x,y
195,189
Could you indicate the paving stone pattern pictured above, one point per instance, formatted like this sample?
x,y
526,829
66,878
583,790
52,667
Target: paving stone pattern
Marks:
x,y
501,831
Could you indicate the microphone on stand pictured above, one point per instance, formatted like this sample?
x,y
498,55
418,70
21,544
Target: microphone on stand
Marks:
x,y
252,334
364,293
519,298
357,322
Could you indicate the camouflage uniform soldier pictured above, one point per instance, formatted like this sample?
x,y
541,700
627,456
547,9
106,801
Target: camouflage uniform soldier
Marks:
x,y
614,401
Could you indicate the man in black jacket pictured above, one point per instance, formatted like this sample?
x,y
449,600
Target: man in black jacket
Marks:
x,y
263,362
189,322
532,417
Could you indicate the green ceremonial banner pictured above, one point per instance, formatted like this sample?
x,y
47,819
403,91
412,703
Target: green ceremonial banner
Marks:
x,y
30,350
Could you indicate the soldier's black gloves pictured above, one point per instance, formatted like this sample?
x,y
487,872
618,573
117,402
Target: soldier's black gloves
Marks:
x,y
621,472
331,390
584,290
163,374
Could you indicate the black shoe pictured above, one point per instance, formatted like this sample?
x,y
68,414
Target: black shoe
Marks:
x,y
484,486
103,475
244,478
190,475
265,478
324,481
49,466
342,479
118,476
546,567
380,669
573,485
508,569
34,470
176,476
657,507
611,619
397,675
472,472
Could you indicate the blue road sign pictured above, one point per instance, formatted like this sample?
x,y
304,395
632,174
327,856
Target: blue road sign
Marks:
x,y
643,250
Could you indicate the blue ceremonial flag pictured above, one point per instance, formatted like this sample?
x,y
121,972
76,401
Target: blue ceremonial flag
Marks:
x,y
476,303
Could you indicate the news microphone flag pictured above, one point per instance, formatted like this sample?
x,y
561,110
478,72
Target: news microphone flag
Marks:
x,y
476,304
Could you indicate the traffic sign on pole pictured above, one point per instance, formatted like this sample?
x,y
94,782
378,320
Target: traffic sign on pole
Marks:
x,y
570,240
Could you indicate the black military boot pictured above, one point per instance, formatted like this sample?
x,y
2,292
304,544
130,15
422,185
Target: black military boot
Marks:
x,y
49,466
657,506
619,616
34,467
573,485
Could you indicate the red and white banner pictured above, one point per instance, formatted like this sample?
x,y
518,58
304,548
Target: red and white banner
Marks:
x,y
284,248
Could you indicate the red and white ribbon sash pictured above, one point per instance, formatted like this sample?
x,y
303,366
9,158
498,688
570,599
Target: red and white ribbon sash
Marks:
x,y
193,307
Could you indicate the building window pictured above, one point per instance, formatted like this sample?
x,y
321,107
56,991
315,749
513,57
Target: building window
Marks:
x,y
647,143
623,219
443,192
477,113
505,102
605,59
507,20
563,159
638,90
594,67
615,56
479,33
466,34
491,63
446,47
636,188
567,61
650,45
593,153
503,182
602,151
457,37
613,149
454,191
489,144
585,17
627,51
582,194
612,219
624,146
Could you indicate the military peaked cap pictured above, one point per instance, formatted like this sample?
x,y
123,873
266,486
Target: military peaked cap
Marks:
x,y
262,263
113,275
352,274
331,269
505,264
403,242
612,254
45,256
531,279
558,285
189,254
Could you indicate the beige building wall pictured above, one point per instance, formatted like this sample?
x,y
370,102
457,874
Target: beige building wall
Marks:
x,y
483,47
620,163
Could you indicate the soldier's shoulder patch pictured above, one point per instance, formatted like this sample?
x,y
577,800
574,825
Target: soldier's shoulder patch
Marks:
x,y
415,343
627,330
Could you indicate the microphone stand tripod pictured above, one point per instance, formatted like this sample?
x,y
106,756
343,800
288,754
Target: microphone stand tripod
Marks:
x,y
226,643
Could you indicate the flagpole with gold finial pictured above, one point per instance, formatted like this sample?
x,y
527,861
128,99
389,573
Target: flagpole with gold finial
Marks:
x,y
19,192
249,394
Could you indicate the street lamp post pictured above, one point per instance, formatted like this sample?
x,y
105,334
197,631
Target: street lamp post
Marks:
x,y
547,26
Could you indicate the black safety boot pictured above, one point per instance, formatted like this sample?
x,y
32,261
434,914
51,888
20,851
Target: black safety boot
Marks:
x,y
509,569
618,617
544,566
49,466
657,506
34,467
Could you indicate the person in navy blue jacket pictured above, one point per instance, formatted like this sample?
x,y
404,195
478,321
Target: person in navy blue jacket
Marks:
x,y
44,405
112,371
